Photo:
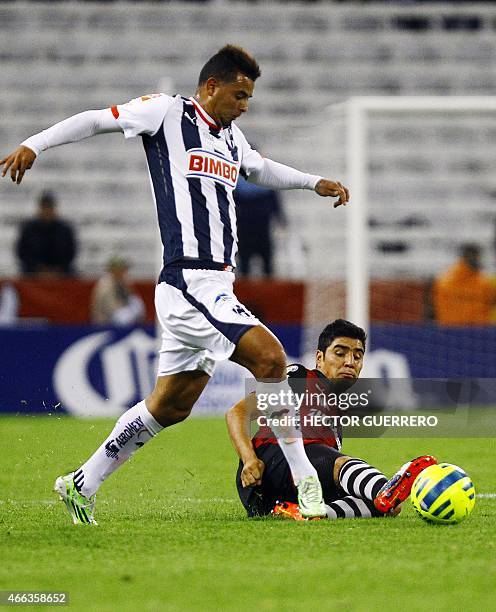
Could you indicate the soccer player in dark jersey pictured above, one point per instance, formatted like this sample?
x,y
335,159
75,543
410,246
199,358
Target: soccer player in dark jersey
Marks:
x,y
195,153
352,488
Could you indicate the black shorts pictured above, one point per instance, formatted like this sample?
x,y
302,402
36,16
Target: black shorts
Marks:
x,y
277,483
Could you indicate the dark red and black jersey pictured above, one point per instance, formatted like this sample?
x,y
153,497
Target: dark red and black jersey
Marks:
x,y
310,383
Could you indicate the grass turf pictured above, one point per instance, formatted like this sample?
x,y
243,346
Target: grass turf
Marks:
x,y
173,536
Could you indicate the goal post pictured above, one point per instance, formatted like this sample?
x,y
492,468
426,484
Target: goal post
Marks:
x,y
357,272
359,113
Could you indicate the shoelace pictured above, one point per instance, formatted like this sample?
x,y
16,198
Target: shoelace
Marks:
x,y
90,505
310,489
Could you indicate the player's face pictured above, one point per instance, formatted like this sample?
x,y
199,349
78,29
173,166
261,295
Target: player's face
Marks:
x,y
227,101
342,359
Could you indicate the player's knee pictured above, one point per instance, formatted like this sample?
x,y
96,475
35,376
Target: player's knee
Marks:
x,y
338,464
167,412
271,363
170,415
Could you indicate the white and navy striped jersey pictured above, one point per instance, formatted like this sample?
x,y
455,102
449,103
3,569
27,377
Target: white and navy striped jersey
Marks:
x,y
194,167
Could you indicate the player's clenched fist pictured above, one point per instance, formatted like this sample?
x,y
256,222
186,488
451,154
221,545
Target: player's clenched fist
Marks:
x,y
334,189
18,161
252,472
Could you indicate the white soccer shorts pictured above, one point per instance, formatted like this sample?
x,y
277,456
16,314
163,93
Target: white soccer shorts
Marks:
x,y
201,319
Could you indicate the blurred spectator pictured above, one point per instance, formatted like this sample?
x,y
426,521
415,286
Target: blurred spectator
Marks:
x,y
46,246
113,300
9,304
256,208
464,295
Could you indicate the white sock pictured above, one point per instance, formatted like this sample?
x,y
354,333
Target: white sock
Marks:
x,y
295,454
289,438
133,429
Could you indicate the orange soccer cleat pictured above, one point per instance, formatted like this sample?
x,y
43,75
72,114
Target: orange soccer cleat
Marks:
x,y
290,510
398,488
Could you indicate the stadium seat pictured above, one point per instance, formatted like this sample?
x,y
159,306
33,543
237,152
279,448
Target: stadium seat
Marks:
x,y
58,59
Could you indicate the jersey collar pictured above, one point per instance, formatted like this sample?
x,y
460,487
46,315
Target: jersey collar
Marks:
x,y
320,374
327,382
204,116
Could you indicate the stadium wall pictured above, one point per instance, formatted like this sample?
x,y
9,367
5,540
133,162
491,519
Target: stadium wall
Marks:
x,y
390,301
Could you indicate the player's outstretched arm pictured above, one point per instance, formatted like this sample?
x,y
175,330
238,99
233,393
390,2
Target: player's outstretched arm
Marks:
x,y
274,175
238,425
20,160
80,126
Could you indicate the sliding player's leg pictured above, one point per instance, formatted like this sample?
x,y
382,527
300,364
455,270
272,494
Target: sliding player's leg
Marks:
x,y
170,402
398,487
354,489
278,495
260,351
357,478
329,462
360,479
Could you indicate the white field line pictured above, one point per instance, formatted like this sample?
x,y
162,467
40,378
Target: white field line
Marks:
x,y
49,502
194,500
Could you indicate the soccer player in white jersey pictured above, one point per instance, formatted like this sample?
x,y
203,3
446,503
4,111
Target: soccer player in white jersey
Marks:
x,y
195,154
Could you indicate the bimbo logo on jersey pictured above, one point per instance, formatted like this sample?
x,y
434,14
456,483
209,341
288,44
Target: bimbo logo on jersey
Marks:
x,y
212,165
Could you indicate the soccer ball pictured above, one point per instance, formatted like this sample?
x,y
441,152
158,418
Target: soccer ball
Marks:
x,y
443,493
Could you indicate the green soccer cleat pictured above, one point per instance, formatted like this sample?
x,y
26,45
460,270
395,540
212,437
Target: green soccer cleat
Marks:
x,y
310,498
80,507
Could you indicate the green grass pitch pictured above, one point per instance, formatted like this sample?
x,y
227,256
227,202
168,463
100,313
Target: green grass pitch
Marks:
x,y
172,535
